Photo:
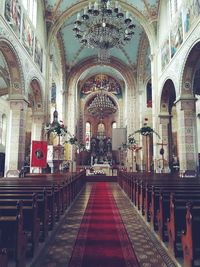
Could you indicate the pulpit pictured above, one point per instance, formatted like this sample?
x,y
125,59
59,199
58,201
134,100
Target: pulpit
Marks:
x,y
55,157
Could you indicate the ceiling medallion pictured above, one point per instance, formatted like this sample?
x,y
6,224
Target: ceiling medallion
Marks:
x,y
103,25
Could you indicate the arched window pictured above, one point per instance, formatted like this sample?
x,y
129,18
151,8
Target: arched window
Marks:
x,y
114,125
101,128
149,94
31,8
87,135
3,139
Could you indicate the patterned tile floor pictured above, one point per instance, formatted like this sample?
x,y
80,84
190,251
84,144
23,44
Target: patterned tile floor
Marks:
x,y
149,251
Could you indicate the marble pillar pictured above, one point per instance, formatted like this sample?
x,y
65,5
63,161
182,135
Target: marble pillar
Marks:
x,y
16,134
187,139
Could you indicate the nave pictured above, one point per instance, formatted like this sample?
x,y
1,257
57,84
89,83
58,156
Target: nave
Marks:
x,y
148,250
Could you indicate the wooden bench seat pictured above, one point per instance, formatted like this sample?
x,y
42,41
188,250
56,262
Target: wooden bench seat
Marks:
x,y
190,238
163,212
49,198
12,236
155,200
31,222
3,257
176,223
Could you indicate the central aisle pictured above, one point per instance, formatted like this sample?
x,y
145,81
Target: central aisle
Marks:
x,y
102,239
61,246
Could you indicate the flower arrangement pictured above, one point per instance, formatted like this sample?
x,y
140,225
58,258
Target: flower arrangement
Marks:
x,y
146,130
56,128
59,130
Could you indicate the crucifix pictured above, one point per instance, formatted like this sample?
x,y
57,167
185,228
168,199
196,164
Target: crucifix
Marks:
x,y
162,151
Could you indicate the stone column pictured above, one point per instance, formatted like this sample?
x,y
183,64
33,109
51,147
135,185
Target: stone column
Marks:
x,y
37,132
187,139
15,148
164,140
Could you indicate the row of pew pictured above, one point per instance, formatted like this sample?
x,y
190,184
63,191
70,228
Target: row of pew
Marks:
x,y
29,209
171,206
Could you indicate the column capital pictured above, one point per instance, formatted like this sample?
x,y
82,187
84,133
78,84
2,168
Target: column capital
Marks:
x,y
185,98
18,98
186,103
164,115
39,115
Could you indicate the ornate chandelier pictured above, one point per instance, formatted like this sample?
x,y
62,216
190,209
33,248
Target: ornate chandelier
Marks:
x,y
103,25
101,105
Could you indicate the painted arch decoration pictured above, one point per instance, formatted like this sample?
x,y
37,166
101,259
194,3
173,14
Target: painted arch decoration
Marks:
x,y
96,82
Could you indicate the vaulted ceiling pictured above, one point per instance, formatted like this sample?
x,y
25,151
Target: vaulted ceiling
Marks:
x,y
61,14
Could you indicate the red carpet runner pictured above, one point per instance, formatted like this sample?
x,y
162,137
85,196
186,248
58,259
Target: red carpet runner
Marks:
x,y
102,240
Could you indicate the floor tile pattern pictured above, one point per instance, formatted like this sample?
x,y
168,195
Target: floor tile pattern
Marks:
x,y
148,249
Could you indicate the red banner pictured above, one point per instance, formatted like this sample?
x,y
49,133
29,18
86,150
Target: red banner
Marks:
x,y
39,154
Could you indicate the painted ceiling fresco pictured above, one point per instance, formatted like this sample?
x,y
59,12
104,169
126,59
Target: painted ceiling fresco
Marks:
x,y
75,52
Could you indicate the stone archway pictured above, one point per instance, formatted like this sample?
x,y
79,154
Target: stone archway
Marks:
x,y
88,92
14,66
16,107
168,125
34,117
186,110
70,95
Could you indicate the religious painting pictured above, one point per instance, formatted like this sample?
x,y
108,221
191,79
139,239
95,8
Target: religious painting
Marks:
x,y
13,15
38,57
165,54
53,93
176,34
190,14
101,81
27,36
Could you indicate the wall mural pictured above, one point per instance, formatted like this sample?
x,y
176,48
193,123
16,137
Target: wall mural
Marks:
x,y
165,54
190,14
176,33
13,15
185,19
27,36
38,57
99,81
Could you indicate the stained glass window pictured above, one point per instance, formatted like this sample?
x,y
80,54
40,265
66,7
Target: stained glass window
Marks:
x,y
87,135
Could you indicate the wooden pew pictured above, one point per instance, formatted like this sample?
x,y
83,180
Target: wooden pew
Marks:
x,y
155,198
43,212
31,222
13,237
176,223
190,238
3,257
49,198
163,212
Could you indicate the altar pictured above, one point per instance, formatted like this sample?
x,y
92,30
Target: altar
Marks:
x,y
99,169
104,168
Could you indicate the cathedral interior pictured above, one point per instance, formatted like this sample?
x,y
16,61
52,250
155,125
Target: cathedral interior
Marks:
x,y
102,88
